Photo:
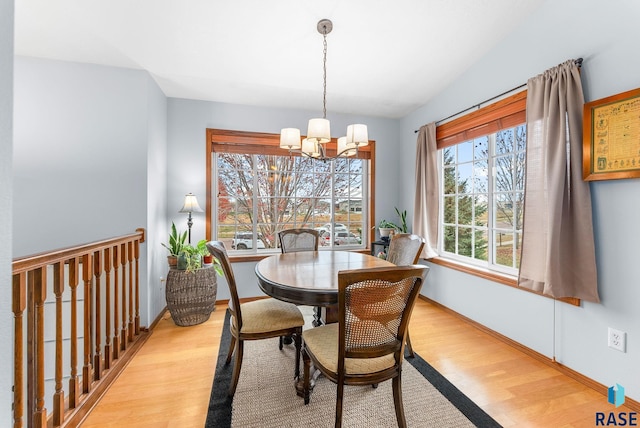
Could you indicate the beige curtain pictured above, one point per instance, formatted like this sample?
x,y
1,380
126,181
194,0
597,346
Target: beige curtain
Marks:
x,y
426,208
558,251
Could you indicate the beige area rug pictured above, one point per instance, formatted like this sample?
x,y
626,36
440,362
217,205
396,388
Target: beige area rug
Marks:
x,y
266,396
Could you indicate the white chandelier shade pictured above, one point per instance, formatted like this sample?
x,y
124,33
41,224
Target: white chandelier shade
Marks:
x,y
290,138
357,136
319,130
343,149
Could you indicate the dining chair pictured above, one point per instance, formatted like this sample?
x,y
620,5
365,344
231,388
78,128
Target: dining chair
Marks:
x,y
258,319
292,240
404,249
366,345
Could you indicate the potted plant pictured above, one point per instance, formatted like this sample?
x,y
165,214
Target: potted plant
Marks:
x,y
176,244
386,228
403,220
189,259
207,258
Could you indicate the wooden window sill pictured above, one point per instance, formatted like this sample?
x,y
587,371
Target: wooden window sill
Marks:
x,y
501,278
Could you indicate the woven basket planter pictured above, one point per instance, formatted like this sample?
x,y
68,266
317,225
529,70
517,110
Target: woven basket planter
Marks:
x,y
191,296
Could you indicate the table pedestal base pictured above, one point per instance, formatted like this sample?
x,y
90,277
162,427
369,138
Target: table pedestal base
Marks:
x,y
325,315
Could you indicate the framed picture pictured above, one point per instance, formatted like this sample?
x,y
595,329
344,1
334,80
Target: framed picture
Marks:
x,y
611,137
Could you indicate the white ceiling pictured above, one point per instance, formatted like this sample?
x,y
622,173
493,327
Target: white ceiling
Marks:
x,y
384,58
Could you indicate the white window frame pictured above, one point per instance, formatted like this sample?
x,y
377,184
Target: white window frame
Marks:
x,y
490,227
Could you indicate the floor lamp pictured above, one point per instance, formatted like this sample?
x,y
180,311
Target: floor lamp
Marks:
x,y
190,206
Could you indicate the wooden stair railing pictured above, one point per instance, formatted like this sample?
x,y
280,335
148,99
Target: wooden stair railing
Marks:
x,y
109,309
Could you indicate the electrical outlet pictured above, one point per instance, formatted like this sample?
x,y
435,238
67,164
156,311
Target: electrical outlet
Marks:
x,y
617,339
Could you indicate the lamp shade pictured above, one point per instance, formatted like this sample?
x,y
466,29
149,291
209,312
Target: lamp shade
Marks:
x,y
190,204
357,135
311,148
290,138
342,148
319,130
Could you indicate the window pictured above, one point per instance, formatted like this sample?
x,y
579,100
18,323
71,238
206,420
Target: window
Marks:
x,y
258,189
482,185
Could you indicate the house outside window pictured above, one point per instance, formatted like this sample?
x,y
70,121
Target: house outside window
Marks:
x,y
258,190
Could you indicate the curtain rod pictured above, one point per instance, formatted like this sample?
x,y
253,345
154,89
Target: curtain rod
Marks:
x,y
577,61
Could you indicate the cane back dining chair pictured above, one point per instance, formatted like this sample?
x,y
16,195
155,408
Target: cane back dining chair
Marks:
x,y
404,249
258,319
292,240
366,346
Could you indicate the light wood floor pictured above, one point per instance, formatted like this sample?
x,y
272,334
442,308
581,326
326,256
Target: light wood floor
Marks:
x,y
168,382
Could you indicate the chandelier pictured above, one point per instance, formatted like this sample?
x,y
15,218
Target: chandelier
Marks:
x,y
318,130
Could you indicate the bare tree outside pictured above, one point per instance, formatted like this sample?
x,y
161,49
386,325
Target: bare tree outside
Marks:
x,y
271,193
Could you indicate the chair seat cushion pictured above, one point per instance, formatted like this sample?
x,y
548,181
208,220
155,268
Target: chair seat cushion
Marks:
x,y
322,342
261,316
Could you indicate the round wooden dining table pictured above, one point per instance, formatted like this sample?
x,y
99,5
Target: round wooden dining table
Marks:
x,y
310,277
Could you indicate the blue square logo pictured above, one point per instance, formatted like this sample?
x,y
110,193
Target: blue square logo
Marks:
x,y
616,395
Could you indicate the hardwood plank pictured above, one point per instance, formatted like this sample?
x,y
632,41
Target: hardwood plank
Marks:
x,y
168,382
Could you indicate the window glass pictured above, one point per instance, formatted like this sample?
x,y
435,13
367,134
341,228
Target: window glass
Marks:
x,y
258,195
483,195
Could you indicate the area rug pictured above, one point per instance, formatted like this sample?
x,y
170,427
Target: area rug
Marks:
x,y
266,397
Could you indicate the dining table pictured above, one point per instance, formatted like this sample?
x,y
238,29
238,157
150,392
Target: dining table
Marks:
x,y
311,278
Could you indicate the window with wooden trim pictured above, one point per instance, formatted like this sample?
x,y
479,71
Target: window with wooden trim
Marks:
x,y
256,189
482,185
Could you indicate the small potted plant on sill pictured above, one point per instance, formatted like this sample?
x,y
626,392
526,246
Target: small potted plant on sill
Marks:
x,y
386,228
176,244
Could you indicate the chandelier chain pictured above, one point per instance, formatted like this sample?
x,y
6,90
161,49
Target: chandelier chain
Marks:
x,y
324,74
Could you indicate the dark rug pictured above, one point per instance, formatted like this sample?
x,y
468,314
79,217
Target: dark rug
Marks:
x,y
274,411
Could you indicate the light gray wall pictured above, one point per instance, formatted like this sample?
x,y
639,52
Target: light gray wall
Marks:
x,y
606,37
6,191
187,124
88,160
80,153
156,199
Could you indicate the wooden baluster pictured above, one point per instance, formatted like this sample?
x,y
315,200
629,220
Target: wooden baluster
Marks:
x,y
107,318
19,303
123,331
130,328
137,257
38,286
116,301
88,315
74,382
58,395
97,355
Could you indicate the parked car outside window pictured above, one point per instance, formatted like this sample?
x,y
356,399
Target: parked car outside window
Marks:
x,y
244,241
327,228
346,238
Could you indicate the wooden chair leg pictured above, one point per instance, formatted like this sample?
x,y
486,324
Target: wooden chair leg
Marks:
x,y
232,345
281,342
409,347
306,385
236,367
340,394
298,340
397,401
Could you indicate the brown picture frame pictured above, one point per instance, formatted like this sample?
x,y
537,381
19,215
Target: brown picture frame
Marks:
x,y
611,137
